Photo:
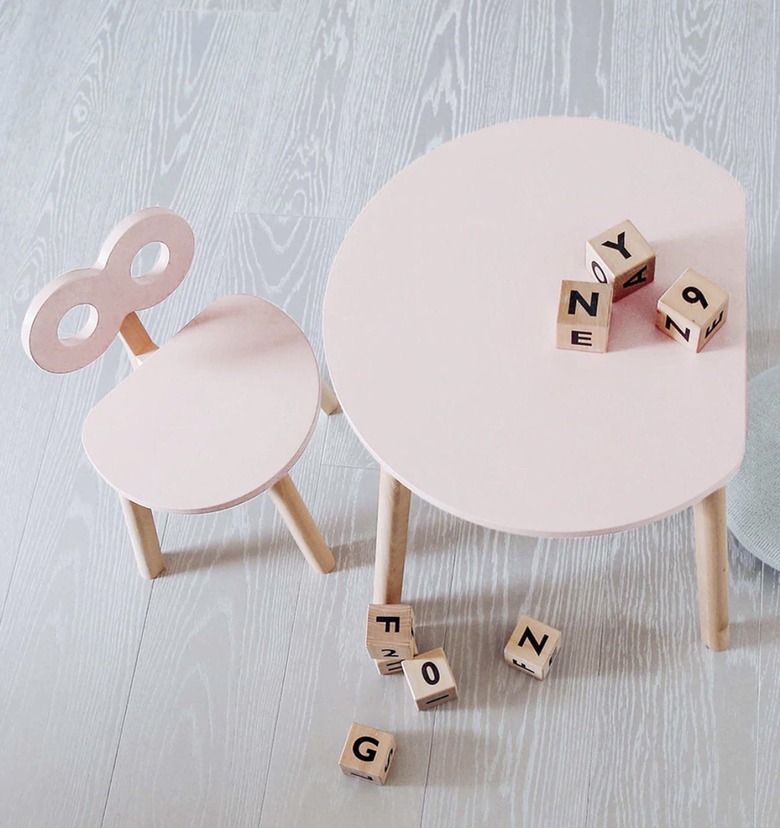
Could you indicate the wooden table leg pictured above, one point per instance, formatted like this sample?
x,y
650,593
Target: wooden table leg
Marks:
x,y
302,527
392,529
143,537
712,569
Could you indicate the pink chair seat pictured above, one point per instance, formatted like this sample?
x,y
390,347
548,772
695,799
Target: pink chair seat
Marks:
x,y
215,416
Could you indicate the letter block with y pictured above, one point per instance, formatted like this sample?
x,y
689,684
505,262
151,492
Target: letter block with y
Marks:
x,y
532,647
693,310
621,257
390,632
584,313
368,753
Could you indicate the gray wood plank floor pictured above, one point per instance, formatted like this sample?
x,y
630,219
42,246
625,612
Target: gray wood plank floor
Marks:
x,y
221,693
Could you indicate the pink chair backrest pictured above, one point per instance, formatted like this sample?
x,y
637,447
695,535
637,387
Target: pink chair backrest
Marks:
x,y
109,288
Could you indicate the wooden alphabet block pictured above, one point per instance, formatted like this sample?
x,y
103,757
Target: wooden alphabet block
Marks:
x,y
390,632
621,257
531,647
368,753
430,679
584,313
389,666
693,310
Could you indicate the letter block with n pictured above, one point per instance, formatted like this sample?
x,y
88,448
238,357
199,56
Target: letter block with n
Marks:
x,y
584,313
390,634
622,258
532,647
368,753
693,310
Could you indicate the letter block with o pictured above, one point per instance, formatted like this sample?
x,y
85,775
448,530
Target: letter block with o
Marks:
x,y
584,313
693,310
430,679
621,257
532,647
390,632
368,753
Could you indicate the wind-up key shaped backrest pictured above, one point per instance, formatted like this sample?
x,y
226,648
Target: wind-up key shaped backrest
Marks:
x,y
109,290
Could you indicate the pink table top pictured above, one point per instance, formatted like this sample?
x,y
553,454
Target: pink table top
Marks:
x,y
440,329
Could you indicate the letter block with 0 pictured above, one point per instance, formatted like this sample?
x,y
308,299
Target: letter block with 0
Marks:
x,y
430,679
368,753
584,313
531,647
693,310
621,257
390,632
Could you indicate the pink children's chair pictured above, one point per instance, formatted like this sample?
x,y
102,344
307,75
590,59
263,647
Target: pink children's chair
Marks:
x,y
217,415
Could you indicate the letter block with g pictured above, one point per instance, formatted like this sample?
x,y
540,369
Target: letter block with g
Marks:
x,y
693,310
532,647
368,753
622,258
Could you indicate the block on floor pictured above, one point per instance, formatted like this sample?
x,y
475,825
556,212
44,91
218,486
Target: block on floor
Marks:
x,y
532,647
390,632
430,679
368,753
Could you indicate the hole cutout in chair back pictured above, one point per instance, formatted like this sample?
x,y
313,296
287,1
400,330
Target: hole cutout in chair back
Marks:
x,y
150,260
110,288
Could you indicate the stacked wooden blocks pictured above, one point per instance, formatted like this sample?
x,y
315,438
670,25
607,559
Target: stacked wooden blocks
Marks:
x,y
621,261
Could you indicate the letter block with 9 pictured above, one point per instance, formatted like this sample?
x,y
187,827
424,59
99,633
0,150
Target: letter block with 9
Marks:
x,y
531,647
584,313
368,753
390,632
693,310
621,257
430,679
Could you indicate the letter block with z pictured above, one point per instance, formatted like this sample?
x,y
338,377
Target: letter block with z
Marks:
x,y
531,647
621,257
390,632
693,310
584,313
368,753
430,679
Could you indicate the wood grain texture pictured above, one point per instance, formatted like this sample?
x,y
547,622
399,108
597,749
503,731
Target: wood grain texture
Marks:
x,y
492,759
248,666
321,120
70,632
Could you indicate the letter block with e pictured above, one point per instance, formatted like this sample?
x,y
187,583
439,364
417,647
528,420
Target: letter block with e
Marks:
x,y
390,632
368,753
693,310
584,313
430,679
532,647
622,258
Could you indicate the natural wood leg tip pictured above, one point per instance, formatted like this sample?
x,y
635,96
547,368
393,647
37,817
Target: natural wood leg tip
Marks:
x,y
150,574
718,643
325,568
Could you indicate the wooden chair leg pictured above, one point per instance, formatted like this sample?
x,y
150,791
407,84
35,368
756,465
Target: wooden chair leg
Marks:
x,y
295,514
392,529
143,537
329,402
712,569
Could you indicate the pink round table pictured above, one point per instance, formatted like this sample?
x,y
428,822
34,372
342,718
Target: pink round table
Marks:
x,y
440,337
